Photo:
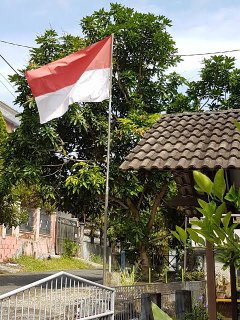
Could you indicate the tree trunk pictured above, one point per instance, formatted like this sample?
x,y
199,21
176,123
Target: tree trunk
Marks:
x,y
101,237
92,236
144,260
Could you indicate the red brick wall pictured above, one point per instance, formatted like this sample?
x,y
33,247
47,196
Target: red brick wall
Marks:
x,y
27,243
8,247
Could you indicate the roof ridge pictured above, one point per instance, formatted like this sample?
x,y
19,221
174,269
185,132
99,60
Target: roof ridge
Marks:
x,y
187,113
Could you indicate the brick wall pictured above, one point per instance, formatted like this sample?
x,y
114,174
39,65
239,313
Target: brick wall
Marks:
x,y
32,243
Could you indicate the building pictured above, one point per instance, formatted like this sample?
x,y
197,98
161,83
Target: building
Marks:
x,y
9,115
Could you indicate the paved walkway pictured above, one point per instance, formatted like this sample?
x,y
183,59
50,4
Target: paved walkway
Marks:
x,y
9,282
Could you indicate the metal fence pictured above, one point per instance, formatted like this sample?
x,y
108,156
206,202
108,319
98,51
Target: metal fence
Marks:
x,y
128,299
60,296
132,309
67,228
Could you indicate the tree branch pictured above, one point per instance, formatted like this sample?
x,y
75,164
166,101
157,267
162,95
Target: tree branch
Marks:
x,y
134,210
155,206
116,200
142,194
120,85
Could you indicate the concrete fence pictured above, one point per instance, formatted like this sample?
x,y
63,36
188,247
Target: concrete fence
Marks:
x,y
34,238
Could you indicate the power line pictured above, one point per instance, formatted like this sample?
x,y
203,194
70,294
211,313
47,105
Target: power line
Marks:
x,y
8,64
7,80
207,53
8,89
16,44
181,55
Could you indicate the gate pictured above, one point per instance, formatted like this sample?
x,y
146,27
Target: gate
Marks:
x,y
66,228
61,296
128,299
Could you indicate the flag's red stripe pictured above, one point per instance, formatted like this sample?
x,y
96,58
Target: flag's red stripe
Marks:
x,y
65,72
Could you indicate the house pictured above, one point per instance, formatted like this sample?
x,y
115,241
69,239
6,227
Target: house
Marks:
x,y
9,115
181,143
184,142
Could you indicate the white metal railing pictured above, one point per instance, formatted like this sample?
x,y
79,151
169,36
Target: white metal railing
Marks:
x,y
60,296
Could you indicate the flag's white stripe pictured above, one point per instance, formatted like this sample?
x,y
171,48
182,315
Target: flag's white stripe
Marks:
x,y
93,86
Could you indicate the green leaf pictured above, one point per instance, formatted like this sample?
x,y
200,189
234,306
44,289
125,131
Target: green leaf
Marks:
x,y
232,194
226,220
202,241
208,208
232,228
193,235
220,233
182,234
158,314
176,235
219,185
197,222
219,212
237,124
203,182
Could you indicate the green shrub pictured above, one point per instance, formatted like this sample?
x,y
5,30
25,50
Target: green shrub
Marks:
x,y
199,312
96,258
70,248
127,277
194,275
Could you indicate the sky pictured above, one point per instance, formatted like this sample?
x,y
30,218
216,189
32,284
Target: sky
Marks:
x,y
198,26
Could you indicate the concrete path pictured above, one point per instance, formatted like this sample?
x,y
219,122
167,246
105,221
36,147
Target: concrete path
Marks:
x,y
9,282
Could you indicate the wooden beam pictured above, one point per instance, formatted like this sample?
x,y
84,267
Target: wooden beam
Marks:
x,y
211,284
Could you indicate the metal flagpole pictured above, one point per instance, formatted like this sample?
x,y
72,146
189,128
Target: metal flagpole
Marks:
x,y
107,174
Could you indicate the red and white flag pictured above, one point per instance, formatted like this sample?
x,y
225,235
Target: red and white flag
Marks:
x,y
83,76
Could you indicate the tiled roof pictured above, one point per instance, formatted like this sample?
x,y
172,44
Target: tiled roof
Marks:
x,y
188,141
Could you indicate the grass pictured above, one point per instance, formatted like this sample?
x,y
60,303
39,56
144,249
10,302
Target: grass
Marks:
x,y
29,264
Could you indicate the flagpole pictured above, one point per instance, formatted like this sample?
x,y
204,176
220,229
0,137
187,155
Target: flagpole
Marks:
x,y
107,173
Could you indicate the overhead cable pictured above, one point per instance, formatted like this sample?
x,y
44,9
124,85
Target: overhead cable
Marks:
x,y
6,79
181,55
16,44
8,64
207,53
7,89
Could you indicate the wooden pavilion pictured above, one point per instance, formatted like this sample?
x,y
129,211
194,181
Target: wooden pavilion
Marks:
x,y
184,142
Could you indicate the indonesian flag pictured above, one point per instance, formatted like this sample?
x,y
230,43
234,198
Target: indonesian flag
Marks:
x,y
83,76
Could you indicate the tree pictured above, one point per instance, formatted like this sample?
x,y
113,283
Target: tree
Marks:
x,y
218,87
67,156
3,139
10,212
215,224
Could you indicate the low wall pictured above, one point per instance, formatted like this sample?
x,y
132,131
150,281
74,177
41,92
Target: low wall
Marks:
x,y
198,289
128,298
93,249
17,242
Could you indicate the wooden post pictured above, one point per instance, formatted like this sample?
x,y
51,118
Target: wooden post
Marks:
x,y
146,301
233,292
211,284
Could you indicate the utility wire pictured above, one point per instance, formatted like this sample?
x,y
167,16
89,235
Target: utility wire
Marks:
x,y
181,55
6,79
9,64
8,89
207,53
16,44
